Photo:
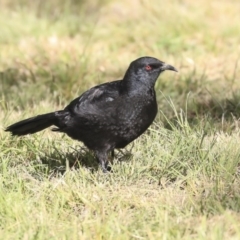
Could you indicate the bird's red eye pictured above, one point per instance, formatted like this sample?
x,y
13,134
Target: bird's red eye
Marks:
x,y
148,67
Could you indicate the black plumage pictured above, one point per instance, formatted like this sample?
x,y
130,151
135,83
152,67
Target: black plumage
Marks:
x,y
107,116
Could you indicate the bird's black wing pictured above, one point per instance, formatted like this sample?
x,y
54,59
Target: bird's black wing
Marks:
x,y
97,100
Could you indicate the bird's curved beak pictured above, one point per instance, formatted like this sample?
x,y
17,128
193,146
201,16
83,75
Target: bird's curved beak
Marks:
x,y
168,67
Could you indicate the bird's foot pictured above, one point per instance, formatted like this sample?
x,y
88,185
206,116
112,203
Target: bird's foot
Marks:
x,y
105,168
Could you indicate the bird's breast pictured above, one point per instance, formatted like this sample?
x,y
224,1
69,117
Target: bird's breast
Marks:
x,y
137,115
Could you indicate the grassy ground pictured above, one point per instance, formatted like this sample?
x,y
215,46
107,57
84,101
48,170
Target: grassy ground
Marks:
x,y
180,180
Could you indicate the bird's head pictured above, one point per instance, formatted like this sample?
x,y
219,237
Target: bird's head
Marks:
x,y
146,70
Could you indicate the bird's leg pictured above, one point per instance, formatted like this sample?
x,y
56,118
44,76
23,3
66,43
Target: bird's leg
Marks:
x,y
112,156
112,153
102,159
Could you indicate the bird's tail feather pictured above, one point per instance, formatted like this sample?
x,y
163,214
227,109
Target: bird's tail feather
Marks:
x,y
33,125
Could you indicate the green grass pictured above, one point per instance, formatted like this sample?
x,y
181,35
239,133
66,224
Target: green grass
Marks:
x,y
180,180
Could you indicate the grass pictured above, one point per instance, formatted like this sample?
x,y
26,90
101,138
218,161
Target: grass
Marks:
x,y
180,180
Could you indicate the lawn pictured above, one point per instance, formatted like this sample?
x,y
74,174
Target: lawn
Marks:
x,y
179,180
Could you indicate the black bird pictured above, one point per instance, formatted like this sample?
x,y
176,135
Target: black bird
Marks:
x,y
107,116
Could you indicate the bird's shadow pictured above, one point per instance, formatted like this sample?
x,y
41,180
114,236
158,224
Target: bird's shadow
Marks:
x,y
59,162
